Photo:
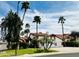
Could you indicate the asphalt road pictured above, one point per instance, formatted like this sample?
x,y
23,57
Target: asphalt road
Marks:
x,y
63,55
3,46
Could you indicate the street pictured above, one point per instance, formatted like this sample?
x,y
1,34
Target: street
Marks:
x,y
3,46
63,55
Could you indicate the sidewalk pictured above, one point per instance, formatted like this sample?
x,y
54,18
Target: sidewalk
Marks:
x,y
62,50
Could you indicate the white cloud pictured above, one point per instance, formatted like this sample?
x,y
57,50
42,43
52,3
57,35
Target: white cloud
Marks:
x,y
50,21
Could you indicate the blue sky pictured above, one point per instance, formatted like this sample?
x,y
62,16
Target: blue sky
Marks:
x,y
42,6
49,11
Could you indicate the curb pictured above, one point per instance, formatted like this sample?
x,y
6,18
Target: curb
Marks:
x,y
44,54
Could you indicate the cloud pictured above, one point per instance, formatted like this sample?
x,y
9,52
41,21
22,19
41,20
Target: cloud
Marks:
x,y
49,21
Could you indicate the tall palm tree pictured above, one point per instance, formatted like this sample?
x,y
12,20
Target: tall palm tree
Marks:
x,y
25,6
37,20
61,20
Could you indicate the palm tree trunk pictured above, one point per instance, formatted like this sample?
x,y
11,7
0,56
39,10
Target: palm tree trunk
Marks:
x,y
63,34
37,30
36,33
46,43
23,16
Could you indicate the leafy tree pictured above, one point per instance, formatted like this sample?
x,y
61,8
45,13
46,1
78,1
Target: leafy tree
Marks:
x,y
27,30
75,35
22,33
3,29
27,26
12,25
46,43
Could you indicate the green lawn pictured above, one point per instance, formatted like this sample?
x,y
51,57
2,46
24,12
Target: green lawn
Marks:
x,y
8,53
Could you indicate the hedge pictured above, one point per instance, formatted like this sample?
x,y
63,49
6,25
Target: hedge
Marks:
x,y
71,44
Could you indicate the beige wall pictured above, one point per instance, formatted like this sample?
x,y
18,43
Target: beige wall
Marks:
x,y
40,37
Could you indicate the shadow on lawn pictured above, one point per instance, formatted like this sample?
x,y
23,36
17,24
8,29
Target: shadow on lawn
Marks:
x,y
44,51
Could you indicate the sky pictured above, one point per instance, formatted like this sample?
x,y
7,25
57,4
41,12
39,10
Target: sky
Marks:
x,y
49,12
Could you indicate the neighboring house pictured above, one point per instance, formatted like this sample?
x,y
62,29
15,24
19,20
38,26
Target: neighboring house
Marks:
x,y
66,36
40,35
58,39
23,39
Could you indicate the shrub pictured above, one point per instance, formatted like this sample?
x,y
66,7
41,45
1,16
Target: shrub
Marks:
x,y
14,46
71,44
24,45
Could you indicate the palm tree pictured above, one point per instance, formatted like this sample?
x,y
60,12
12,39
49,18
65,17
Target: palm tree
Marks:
x,y
37,20
25,6
61,20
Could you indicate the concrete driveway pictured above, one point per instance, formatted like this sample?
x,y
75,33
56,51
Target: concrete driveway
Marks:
x,y
67,49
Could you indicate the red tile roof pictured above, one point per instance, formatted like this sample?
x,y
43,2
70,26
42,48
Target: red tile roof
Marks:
x,y
66,36
23,39
39,34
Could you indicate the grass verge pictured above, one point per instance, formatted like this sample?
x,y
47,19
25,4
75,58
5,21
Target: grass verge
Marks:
x,y
8,53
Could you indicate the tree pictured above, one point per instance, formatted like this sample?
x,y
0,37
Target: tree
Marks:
x,y
61,20
22,33
3,29
7,24
12,24
25,6
17,28
46,43
37,20
75,35
27,26
27,30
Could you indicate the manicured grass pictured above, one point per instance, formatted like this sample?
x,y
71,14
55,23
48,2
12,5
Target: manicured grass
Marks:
x,y
8,53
